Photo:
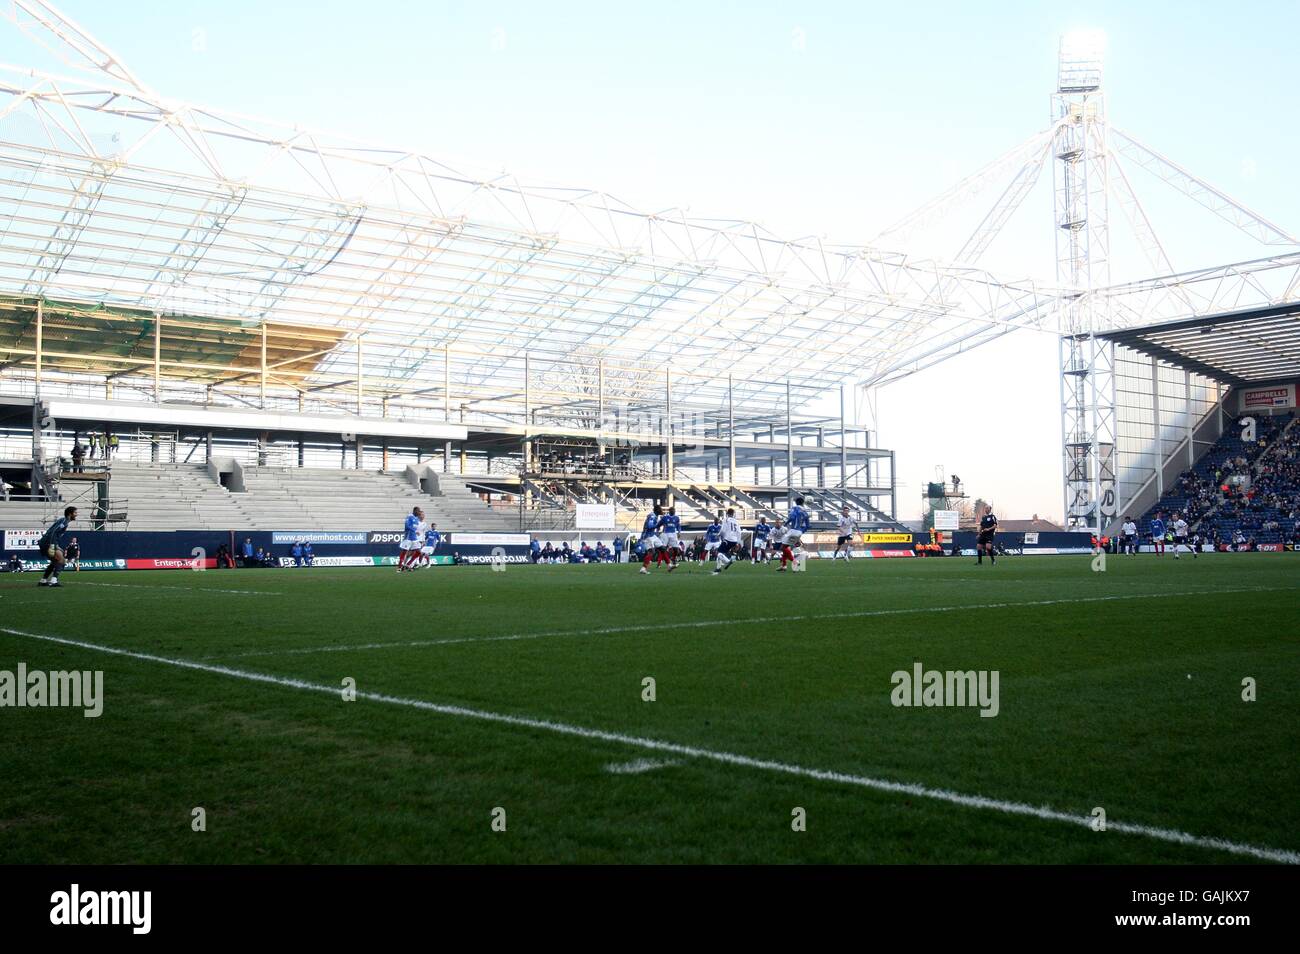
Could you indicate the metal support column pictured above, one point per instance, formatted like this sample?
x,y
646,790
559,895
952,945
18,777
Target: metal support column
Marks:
x,y
844,448
40,343
157,358
446,383
731,431
262,381
668,432
893,488
528,393
1159,430
360,385
821,461
789,443
1094,451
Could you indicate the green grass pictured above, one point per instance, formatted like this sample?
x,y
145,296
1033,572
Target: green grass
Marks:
x,y
1096,709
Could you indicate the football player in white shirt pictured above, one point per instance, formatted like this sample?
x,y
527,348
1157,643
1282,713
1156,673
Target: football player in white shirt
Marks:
x,y
1128,536
730,545
1181,533
846,527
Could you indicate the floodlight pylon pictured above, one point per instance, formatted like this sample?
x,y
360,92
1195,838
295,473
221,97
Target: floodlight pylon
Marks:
x,y
1082,229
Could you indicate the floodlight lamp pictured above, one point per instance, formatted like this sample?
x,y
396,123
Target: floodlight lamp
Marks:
x,y
1087,45
1080,61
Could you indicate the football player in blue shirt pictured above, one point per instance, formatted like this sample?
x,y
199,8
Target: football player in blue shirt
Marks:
x,y
762,530
50,549
1158,532
796,524
712,540
651,542
411,540
431,540
670,526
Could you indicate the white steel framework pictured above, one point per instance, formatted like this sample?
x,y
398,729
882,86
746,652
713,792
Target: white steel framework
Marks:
x,y
1089,158
242,262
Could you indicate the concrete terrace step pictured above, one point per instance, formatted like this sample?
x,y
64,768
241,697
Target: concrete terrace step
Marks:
x,y
178,495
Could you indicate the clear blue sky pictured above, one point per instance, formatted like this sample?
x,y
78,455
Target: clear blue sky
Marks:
x,y
714,105
813,118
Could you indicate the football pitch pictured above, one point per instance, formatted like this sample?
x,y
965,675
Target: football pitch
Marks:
x,y
591,714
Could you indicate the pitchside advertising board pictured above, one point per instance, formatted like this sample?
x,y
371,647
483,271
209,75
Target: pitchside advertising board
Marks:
x,y
946,519
594,517
22,539
193,549
822,545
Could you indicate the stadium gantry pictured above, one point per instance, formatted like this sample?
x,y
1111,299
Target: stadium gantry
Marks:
x,y
169,269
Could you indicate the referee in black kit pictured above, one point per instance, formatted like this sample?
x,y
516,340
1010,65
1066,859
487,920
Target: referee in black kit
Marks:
x,y
988,529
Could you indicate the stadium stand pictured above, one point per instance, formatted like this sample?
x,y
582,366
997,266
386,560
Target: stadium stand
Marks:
x,y
174,497
188,497
1239,486
452,505
23,514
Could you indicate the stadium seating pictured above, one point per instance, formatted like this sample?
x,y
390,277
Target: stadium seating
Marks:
x,y
456,507
27,514
173,497
1266,511
187,497
290,498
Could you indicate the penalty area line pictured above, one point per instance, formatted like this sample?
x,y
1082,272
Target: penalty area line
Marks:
x,y
1041,812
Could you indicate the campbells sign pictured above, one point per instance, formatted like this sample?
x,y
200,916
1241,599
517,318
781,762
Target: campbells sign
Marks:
x,y
1280,395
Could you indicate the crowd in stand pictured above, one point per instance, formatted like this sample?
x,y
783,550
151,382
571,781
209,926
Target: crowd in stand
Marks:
x,y
584,463
1242,494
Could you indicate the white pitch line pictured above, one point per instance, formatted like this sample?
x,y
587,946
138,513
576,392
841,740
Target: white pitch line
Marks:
x,y
639,766
1042,812
179,589
702,624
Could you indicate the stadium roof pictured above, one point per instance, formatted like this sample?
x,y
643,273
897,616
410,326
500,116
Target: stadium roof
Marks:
x,y
1242,347
114,195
